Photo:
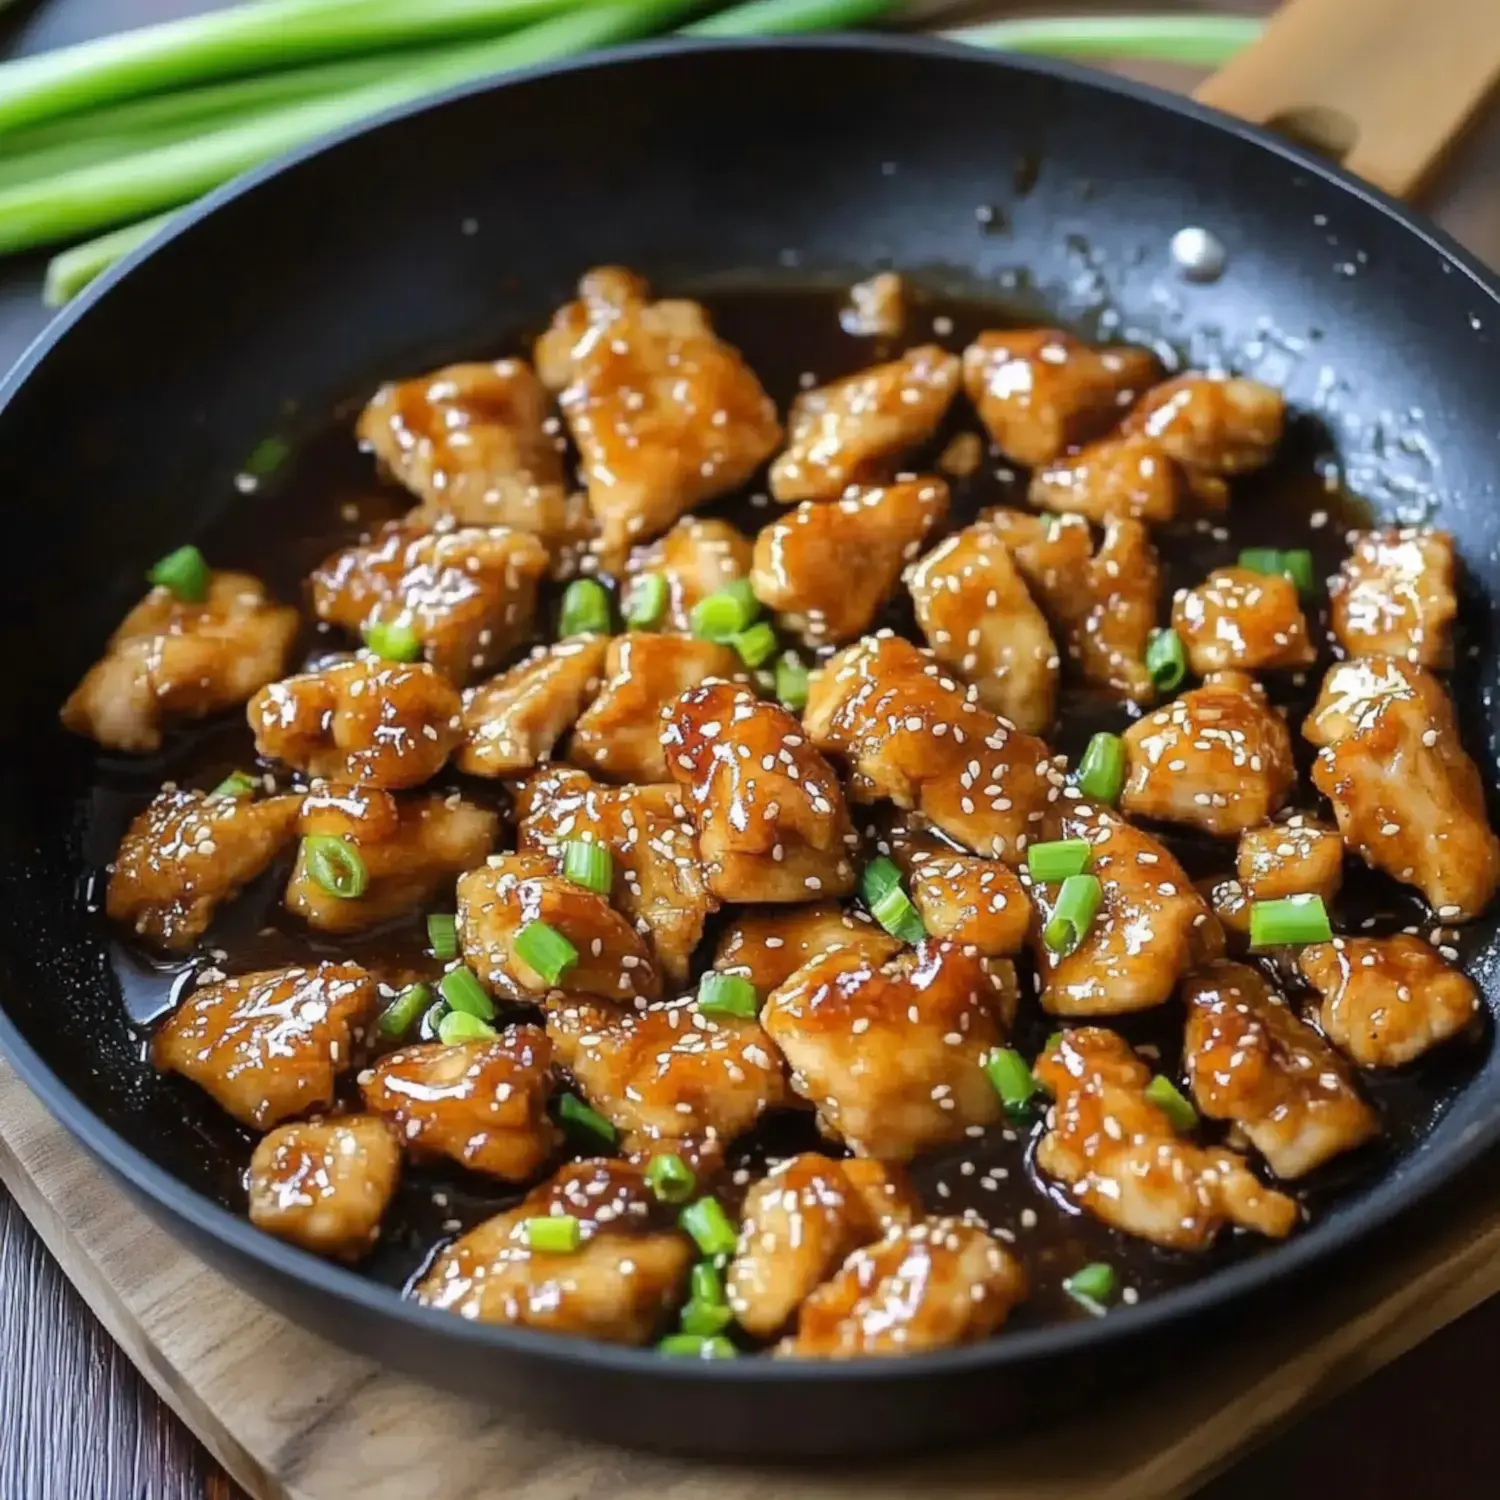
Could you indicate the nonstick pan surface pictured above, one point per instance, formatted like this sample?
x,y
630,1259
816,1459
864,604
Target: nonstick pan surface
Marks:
x,y
451,227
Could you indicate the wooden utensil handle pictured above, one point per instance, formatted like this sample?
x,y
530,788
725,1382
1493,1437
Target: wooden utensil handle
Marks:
x,y
1386,86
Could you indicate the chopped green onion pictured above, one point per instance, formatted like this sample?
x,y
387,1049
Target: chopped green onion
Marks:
x,y
585,609
670,1179
463,991
458,1026
184,572
391,641
1101,772
1290,921
335,865
791,682
1077,903
706,1318
1012,1078
1297,564
695,1346
554,1234
728,995
706,1285
1265,560
709,1227
723,615
442,935
236,784
1092,1286
432,1019
1166,660
897,914
1166,1096
404,1011
589,865
646,602
756,645
879,876
1055,1040
545,950
1054,862
587,1126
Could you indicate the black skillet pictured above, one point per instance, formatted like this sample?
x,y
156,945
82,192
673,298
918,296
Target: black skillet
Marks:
x,y
449,228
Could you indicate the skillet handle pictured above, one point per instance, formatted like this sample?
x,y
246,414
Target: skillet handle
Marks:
x,y
1385,86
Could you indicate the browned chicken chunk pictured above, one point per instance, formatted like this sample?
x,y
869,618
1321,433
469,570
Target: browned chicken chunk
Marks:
x,y
1388,1000
665,414
892,1054
369,722
827,568
482,1104
1394,596
621,1284
856,430
876,308
187,854
468,594
696,558
1241,620
769,946
325,1185
1250,1060
619,737
772,825
1296,857
980,620
172,660
1214,425
1114,479
1219,758
269,1046
1116,1152
980,903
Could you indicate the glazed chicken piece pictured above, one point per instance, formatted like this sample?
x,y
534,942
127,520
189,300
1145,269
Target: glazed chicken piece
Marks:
x,y
668,1072
659,880
1219,758
892,1054
473,442
1250,1060
1387,1000
482,1104
368,722
410,849
1102,604
979,619
772,825
619,737
325,1184
270,1045
621,1284
799,1223
1114,479
171,660
977,902
1244,621
876,308
1296,857
1394,596
1407,797
186,855
1119,1157
913,736
513,722
697,557
467,593
1212,425
1040,391
769,946
498,901
856,430
665,414
1152,926
927,1286
827,568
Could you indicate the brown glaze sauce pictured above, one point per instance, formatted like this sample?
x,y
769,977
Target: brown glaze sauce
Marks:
x,y
324,494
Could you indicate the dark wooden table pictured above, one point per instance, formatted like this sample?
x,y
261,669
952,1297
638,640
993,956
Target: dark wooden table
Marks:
x,y
78,1423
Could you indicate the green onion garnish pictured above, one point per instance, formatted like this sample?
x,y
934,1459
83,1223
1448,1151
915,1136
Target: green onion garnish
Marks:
x,y
236,784
695,1346
587,1126
646,602
432,1018
728,995
585,609
755,645
554,1234
1166,1096
879,876
184,572
1291,921
458,1026
442,935
706,1318
1055,862
896,913
722,616
1101,772
791,683
391,641
335,865
706,1285
1266,560
1054,1041
546,950
1166,660
670,1179
1012,1078
1092,1286
404,1011
1297,564
464,992
589,865
1077,903
708,1225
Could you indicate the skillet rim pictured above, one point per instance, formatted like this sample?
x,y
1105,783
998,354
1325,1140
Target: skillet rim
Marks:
x,y
1319,1243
